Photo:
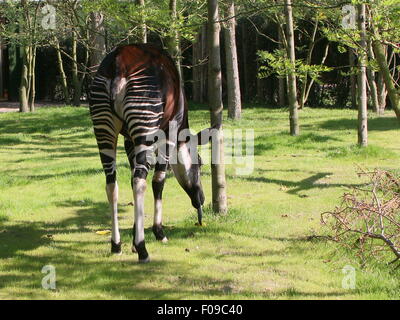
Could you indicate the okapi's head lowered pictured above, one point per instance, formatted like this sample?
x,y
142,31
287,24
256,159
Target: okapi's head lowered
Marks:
x,y
187,167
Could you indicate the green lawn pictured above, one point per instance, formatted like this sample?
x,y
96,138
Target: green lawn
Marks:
x,y
52,202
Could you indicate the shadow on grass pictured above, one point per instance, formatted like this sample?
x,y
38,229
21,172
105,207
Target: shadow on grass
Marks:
x,y
305,141
40,122
296,186
378,124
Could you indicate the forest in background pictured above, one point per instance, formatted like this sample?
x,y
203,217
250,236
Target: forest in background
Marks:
x,y
73,36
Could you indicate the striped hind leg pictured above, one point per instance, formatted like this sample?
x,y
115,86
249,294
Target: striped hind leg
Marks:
x,y
139,186
158,186
106,128
107,142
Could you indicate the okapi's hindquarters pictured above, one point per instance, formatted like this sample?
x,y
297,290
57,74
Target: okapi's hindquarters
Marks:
x,y
137,90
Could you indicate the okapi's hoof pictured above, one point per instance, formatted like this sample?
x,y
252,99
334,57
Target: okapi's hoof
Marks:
x,y
115,247
159,233
142,252
144,261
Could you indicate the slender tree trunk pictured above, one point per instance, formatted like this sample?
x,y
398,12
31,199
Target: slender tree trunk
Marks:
x,y
32,90
387,77
232,68
310,50
204,68
282,81
174,46
245,64
362,80
219,201
353,80
97,40
143,27
293,104
196,53
382,94
24,87
372,82
259,81
75,72
64,83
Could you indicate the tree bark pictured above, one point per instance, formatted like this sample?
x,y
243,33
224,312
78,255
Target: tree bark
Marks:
x,y
362,80
219,201
245,64
232,68
311,45
24,87
353,80
282,81
387,77
293,104
75,72
143,27
97,40
173,43
382,94
60,63
372,82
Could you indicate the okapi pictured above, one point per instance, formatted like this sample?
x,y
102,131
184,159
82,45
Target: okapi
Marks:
x,y
136,93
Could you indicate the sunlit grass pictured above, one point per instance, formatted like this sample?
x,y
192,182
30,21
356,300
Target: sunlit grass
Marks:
x,y
52,202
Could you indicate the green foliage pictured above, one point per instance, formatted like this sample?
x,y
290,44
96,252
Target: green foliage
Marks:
x,y
277,63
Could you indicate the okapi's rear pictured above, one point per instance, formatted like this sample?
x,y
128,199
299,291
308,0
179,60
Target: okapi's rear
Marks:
x,y
137,92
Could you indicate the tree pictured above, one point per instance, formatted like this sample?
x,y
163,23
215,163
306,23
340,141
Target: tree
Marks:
x,y
23,30
232,68
97,40
362,79
219,199
174,46
143,27
293,104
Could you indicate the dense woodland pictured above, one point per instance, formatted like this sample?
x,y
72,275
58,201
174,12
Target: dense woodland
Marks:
x,y
256,39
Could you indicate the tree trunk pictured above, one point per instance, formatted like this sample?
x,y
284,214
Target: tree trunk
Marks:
x,y
143,27
311,45
259,82
282,81
97,40
219,201
232,68
64,83
173,43
372,82
32,72
196,52
362,80
293,104
75,70
382,94
353,80
24,87
245,64
387,77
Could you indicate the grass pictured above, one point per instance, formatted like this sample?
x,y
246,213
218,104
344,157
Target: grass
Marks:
x,y
52,202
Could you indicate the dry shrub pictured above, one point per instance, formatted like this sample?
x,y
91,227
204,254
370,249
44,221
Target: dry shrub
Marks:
x,y
368,219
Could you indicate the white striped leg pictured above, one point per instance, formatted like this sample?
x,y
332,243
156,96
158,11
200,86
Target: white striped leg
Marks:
x,y
139,188
112,195
158,186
